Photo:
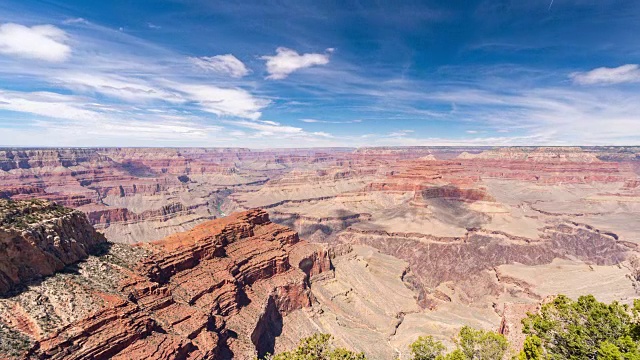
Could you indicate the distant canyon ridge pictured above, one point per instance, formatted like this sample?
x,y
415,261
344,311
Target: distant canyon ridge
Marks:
x,y
386,244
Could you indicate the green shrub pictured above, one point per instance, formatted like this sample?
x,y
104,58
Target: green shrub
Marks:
x,y
471,344
480,344
582,329
426,348
318,347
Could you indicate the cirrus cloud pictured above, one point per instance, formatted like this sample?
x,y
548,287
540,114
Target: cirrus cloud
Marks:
x,y
286,61
42,42
223,101
622,74
316,121
223,64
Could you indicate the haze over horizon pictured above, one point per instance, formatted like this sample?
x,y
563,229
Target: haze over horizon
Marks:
x,y
313,74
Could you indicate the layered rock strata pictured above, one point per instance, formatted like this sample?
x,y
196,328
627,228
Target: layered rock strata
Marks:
x,y
216,291
38,238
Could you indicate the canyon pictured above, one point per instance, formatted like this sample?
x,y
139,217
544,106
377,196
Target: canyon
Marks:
x,y
220,253
211,292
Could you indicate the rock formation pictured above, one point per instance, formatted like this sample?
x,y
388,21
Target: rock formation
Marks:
x,y
38,238
216,291
445,237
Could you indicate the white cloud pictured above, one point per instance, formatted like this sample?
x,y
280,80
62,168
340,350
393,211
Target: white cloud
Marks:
x,y
176,130
274,132
286,61
71,21
222,64
322,134
472,131
400,133
559,116
604,75
43,42
268,127
164,98
46,104
125,88
316,121
67,119
220,101
223,101
269,122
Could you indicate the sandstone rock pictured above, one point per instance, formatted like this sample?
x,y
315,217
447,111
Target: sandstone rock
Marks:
x,y
216,291
464,233
38,238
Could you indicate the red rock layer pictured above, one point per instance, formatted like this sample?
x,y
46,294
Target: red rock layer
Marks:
x,y
212,292
83,178
45,247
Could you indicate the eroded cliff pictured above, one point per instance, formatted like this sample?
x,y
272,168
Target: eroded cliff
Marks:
x,y
216,291
38,238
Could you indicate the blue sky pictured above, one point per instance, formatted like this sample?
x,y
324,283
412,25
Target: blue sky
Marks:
x,y
319,73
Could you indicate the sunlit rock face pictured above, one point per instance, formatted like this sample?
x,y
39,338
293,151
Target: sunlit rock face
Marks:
x,y
422,240
38,238
215,291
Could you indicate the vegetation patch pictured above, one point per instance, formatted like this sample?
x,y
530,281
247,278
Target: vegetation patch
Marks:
x,y
12,343
471,344
582,329
317,347
21,214
563,329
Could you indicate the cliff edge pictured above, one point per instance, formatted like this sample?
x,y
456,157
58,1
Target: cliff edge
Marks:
x,y
38,238
218,291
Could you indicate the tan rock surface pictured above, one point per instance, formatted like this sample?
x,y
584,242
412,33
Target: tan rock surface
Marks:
x,y
477,235
38,238
214,291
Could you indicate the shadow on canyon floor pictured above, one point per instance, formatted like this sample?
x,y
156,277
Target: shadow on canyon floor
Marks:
x,y
73,269
269,327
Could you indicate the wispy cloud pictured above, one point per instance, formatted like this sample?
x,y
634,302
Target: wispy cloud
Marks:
x,y
223,101
400,133
622,74
71,21
41,42
222,64
267,128
82,122
125,88
564,116
136,87
286,61
316,121
47,104
106,86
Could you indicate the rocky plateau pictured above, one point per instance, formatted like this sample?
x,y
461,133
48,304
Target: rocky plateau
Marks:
x,y
398,243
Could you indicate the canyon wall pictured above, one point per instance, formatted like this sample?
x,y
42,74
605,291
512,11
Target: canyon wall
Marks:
x,y
423,240
215,291
38,238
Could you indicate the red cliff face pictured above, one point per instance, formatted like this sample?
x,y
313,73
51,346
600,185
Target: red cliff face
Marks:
x,y
217,291
130,193
38,238
133,191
